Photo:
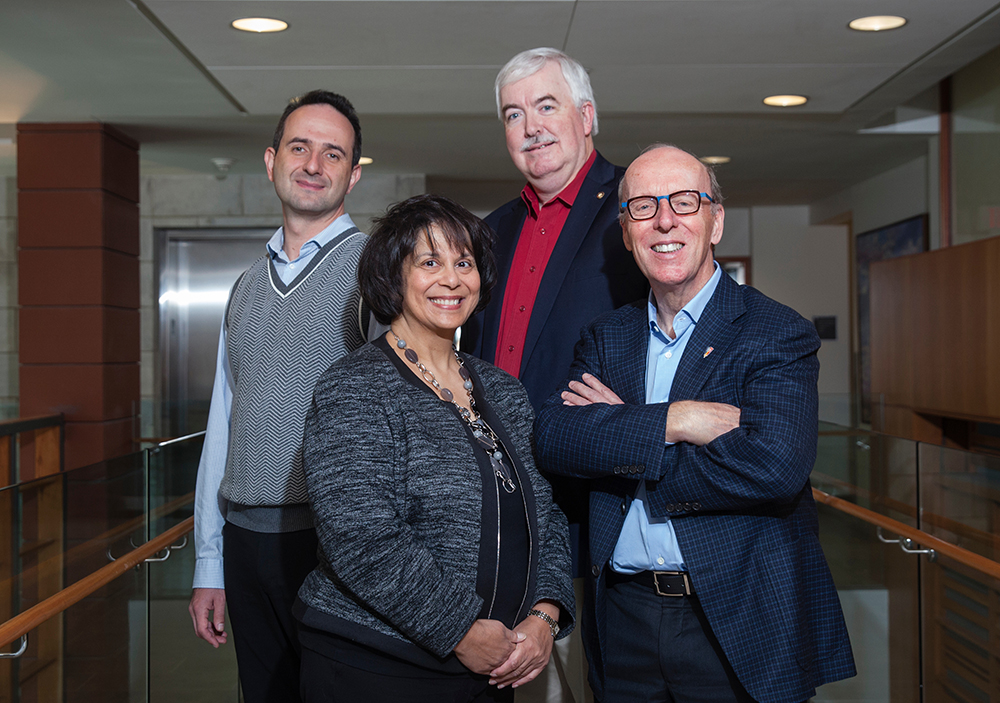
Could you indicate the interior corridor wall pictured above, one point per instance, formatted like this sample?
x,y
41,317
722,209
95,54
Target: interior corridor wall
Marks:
x,y
194,201
896,194
805,267
8,297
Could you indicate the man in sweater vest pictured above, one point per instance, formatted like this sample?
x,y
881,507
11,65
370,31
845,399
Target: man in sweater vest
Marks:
x,y
289,316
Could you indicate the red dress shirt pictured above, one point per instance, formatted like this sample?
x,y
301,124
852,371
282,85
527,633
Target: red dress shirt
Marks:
x,y
541,230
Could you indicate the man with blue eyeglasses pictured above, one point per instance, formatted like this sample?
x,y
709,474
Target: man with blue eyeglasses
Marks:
x,y
693,415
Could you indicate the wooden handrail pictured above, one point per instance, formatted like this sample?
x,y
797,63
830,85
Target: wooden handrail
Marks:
x,y
31,618
926,516
26,424
99,543
962,556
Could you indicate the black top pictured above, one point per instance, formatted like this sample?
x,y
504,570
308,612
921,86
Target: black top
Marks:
x,y
501,582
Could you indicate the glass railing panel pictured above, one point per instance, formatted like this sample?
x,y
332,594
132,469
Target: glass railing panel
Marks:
x,y
59,529
159,421
181,666
105,651
960,504
173,470
105,513
838,409
879,592
878,584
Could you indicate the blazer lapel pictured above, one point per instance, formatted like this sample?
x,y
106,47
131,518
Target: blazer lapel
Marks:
x,y
626,347
599,180
712,335
508,232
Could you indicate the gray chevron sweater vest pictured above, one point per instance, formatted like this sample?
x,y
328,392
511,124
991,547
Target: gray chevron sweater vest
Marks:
x,y
280,339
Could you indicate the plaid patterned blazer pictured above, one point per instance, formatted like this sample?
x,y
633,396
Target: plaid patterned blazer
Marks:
x,y
741,505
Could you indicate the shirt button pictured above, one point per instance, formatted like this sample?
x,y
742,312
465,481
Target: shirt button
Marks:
x,y
532,269
543,230
510,348
668,355
291,266
521,308
595,570
660,561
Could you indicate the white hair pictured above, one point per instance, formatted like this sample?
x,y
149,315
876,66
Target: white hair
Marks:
x,y
530,62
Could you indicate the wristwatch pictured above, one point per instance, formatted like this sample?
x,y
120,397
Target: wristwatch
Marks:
x,y
553,625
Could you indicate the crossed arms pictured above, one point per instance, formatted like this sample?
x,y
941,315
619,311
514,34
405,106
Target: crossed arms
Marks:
x,y
755,445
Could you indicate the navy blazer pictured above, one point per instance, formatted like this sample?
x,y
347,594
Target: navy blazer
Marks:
x,y
741,505
590,272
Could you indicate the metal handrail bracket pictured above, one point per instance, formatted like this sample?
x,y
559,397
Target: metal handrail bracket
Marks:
x,y
19,652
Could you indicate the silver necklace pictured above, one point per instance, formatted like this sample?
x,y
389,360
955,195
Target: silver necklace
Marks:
x,y
481,431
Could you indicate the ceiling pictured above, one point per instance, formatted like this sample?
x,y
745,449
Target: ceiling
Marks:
x,y
174,75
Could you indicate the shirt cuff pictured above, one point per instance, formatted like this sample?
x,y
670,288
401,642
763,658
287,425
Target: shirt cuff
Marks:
x,y
208,573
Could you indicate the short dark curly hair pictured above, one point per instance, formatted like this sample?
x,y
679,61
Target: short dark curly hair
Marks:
x,y
322,97
394,237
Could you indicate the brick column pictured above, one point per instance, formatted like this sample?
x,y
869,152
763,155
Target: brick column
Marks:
x,y
78,283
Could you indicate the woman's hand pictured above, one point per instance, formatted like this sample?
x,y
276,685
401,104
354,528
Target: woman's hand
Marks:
x,y
486,645
531,654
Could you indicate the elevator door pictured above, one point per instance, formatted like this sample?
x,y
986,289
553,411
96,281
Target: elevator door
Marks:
x,y
198,268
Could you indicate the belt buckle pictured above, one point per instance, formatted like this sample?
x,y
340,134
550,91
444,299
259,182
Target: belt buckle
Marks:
x,y
687,583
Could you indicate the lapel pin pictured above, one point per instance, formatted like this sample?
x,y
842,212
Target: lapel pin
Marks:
x,y
708,350
600,195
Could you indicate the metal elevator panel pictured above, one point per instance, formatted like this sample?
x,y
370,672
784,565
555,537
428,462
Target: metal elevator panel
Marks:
x,y
197,270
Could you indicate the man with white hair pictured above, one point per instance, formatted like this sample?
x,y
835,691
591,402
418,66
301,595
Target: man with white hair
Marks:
x,y
559,252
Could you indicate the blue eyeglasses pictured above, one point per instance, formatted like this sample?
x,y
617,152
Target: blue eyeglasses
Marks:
x,y
683,202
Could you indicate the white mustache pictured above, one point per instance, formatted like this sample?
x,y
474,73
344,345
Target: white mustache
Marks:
x,y
537,140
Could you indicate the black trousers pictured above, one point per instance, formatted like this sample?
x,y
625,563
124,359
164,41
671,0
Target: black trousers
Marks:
x,y
263,574
662,649
384,678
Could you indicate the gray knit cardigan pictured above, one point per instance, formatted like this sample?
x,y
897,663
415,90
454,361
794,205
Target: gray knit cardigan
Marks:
x,y
397,495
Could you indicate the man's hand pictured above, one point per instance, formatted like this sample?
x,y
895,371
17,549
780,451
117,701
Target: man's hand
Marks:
x,y
590,391
532,654
699,422
486,645
208,613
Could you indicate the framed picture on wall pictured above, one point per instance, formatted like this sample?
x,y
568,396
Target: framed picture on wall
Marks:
x,y
895,240
738,268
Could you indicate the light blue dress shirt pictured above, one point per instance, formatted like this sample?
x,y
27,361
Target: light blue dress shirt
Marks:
x,y
209,509
649,543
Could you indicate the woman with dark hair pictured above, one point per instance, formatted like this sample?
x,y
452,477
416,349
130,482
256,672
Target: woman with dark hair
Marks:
x,y
443,565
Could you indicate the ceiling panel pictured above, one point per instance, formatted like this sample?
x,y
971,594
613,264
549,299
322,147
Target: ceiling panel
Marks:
x,y
680,32
372,90
735,88
93,59
366,33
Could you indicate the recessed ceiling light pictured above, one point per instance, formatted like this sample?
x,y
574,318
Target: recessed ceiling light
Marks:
x,y
365,160
260,25
785,100
715,160
877,23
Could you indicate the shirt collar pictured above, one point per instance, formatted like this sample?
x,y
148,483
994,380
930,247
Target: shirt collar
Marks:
x,y
275,245
687,315
567,195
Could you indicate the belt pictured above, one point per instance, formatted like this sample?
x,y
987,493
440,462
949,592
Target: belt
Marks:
x,y
664,583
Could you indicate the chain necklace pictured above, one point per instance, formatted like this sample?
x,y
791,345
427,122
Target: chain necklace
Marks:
x,y
481,431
